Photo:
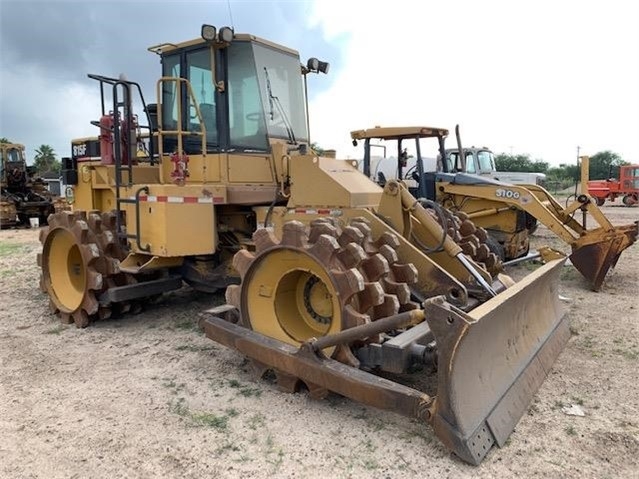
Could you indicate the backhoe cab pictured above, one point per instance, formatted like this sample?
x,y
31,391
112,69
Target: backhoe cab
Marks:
x,y
404,166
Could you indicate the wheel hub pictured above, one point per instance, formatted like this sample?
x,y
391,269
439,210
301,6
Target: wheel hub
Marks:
x,y
292,304
317,300
66,270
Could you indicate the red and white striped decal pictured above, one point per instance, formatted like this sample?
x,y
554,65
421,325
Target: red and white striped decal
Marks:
x,y
315,211
181,199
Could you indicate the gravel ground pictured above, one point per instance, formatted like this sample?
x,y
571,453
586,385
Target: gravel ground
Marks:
x,y
149,396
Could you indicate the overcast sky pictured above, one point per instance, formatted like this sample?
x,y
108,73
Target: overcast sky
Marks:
x,y
538,77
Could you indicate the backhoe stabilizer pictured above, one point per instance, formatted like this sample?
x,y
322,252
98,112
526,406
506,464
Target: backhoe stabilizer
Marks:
x,y
595,253
490,363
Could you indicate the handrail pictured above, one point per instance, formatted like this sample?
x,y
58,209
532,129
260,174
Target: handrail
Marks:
x,y
180,132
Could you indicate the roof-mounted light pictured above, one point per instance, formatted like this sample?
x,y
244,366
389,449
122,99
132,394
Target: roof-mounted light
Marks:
x,y
317,66
209,32
226,35
323,67
312,64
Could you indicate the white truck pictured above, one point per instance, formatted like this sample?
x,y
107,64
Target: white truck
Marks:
x,y
481,161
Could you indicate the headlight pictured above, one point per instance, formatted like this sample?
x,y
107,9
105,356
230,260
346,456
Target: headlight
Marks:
x,y
208,32
226,35
312,64
323,67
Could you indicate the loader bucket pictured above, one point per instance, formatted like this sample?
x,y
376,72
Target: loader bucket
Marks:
x,y
492,360
600,251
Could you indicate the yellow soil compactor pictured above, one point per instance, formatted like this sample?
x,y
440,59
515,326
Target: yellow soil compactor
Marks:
x,y
330,279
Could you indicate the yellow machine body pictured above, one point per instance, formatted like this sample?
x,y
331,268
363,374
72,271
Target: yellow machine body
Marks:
x,y
594,250
509,212
326,273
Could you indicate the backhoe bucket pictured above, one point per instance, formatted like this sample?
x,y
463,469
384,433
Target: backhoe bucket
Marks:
x,y
598,251
492,360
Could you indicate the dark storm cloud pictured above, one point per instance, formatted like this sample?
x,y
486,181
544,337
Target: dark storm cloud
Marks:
x,y
48,34
62,41
68,39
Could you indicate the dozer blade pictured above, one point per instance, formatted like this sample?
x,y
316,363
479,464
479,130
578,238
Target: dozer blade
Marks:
x,y
492,360
593,257
490,364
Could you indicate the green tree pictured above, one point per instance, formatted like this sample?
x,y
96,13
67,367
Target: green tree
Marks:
x,y
605,164
564,172
4,140
562,177
521,163
45,160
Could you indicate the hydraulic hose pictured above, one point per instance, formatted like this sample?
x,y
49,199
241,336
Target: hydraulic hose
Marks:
x,y
449,245
425,203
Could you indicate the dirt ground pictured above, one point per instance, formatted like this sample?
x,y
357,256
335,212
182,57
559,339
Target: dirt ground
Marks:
x,y
150,396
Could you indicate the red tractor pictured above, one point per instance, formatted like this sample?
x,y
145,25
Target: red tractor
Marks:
x,y
627,186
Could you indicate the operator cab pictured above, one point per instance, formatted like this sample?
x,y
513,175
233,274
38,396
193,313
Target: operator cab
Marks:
x,y
405,167
245,92
13,155
13,164
478,161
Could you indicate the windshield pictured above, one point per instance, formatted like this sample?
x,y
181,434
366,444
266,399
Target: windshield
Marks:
x,y
453,157
486,161
14,156
280,81
632,172
246,116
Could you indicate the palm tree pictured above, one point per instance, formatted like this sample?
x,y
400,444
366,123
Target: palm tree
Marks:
x,y
45,159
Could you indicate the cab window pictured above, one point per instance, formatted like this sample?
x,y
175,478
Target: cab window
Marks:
x,y
14,156
247,127
170,95
485,159
470,163
198,65
282,93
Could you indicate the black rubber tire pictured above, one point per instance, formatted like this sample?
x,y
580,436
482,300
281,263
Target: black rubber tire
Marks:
x,y
531,224
600,201
495,247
